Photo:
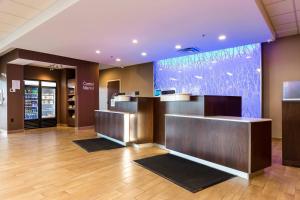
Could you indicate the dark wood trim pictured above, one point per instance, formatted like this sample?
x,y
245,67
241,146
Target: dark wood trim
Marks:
x,y
261,145
291,133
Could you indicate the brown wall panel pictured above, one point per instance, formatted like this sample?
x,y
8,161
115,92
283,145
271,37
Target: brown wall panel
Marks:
x,y
87,100
15,113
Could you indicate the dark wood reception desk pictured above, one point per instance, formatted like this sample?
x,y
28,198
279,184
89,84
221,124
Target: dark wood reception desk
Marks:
x,y
207,105
114,125
240,146
128,121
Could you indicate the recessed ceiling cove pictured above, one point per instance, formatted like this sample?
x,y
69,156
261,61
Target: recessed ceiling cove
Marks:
x,y
110,26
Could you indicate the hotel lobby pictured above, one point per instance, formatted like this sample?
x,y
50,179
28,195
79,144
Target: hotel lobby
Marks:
x,y
138,99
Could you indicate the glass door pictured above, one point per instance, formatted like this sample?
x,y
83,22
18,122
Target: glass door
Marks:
x,y
31,110
48,100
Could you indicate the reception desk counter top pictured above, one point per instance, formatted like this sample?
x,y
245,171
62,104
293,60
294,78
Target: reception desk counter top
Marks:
x,y
111,111
224,118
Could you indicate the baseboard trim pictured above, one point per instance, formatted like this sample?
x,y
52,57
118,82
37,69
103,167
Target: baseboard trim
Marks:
x,y
160,146
85,127
15,131
112,139
63,125
146,145
291,163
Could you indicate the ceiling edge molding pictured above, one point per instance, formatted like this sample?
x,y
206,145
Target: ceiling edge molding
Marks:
x,y
45,15
265,15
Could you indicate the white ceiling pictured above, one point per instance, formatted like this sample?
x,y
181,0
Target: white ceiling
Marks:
x,y
284,15
110,25
15,13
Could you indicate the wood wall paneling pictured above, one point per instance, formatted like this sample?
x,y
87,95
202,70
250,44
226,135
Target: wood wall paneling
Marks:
x,y
261,145
291,133
15,112
145,120
110,124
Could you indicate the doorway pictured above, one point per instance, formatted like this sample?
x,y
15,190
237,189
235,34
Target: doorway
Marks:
x,y
113,87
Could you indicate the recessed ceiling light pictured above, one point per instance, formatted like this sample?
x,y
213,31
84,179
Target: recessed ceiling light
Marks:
x,y
98,51
135,41
178,46
222,37
144,54
118,59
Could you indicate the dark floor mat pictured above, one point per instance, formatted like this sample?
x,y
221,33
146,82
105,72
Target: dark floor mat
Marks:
x,y
97,144
187,174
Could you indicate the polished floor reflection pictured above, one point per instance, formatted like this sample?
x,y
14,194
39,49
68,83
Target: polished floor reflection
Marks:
x,y
46,164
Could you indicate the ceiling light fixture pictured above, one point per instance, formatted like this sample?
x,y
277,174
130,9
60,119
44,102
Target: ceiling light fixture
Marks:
x,y
178,46
118,59
135,41
222,37
144,54
56,67
98,51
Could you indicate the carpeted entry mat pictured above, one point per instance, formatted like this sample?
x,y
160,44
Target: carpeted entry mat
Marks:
x,y
187,174
97,144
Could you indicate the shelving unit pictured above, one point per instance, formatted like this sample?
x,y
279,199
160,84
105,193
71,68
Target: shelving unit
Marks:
x,y
71,102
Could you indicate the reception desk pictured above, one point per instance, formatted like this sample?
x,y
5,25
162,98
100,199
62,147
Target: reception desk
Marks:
x,y
241,146
127,122
114,125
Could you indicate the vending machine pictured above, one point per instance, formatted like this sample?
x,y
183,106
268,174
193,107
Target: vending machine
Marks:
x,y
40,104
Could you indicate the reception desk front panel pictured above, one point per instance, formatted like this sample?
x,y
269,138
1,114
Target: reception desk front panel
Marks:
x,y
238,143
115,125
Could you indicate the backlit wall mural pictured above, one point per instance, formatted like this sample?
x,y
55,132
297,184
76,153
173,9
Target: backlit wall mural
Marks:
x,y
233,72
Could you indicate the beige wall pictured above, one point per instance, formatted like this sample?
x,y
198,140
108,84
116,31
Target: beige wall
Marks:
x,y
133,78
281,62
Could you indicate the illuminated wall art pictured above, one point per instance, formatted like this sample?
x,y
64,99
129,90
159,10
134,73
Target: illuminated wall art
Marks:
x,y
232,72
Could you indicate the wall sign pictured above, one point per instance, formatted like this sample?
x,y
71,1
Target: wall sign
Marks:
x,y
89,86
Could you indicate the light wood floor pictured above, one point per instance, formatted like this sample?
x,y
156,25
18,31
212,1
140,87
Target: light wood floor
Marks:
x,y
45,164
